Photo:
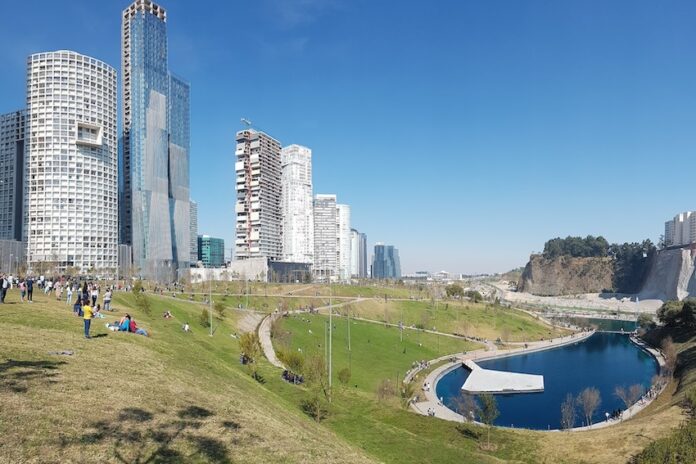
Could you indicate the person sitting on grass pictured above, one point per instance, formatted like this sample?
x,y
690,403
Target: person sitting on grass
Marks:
x,y
124,323
167,315
186,327
133,328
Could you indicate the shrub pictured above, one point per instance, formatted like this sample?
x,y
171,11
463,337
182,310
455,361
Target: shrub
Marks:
x,y
204,318
344,376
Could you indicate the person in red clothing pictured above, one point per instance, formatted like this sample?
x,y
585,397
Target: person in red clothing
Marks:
x,y
132,327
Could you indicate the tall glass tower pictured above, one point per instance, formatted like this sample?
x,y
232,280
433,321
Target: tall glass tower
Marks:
x,y
154,203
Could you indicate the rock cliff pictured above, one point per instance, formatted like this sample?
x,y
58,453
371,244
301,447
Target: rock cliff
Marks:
x,y
671,276
565,275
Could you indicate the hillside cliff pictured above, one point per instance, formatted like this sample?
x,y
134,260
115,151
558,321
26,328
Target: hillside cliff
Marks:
x,y
671,276
566,275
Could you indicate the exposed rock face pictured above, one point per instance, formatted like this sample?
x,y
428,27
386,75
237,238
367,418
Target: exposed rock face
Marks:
x,y
566,275
671,276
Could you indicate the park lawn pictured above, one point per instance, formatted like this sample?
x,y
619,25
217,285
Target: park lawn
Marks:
x,y
376,353
170,397
311,289
471,319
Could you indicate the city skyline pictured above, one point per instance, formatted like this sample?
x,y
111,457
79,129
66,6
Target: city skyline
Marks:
x,y
561,147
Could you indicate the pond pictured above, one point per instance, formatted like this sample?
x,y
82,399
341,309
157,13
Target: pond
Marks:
x,y
604,361
613,325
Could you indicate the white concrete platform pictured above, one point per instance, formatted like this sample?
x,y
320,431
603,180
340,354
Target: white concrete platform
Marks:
x,y
489,381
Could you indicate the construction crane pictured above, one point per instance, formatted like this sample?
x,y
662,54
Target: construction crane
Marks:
x,y
251,125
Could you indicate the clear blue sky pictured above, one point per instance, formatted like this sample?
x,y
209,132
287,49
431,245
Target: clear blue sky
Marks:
x,y
466,133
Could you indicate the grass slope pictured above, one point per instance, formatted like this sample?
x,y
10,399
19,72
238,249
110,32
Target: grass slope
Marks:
x,y
171,397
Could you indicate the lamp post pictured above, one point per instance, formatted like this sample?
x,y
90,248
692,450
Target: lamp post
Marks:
x,y
210,299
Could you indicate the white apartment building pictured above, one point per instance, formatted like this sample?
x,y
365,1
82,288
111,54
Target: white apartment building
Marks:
x,y
258,186
296,204
71,161
681,230
354,253
12,133
193,232
325,238
344,254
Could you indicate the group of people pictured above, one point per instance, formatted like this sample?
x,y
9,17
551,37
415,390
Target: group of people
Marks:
x,y
25,286
126,324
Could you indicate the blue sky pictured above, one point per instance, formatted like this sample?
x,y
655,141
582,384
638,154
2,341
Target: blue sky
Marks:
x,y
466,133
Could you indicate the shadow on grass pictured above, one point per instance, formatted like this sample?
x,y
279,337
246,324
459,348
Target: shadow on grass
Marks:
x,y
19,376
469,431
138,437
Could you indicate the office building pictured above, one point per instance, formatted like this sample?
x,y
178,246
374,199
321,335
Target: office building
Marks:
x,y
325,238
211,251
12,132
154,203
72,162
296,204
193,233
343,230
681,230
258,186
358,253
385,262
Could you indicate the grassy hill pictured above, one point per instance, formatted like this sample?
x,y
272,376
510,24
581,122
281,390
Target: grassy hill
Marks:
x,y
176,397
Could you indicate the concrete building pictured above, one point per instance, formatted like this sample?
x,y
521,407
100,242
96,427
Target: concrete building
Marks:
x,y
385,262
154,203
255,269
325,238
258,186
12,133
344,254
72,162
211,251
681,230
296,204
193,232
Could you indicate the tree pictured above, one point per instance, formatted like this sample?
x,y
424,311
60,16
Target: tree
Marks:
x,y
568,412
589,400
466,405
488,413
408,391
678,313
454,291
344,376
629,395
385,390
219,308
315,404
474,296
669,352
204,318
251,349
646,321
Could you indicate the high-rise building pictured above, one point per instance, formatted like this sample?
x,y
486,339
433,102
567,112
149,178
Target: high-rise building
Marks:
x,y
385,262
258,185
12,133
325,237
154,212
193,233
296,204
358,253
211,251
343,230
681,230
72,162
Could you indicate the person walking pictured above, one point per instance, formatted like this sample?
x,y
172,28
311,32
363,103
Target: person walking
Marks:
x,y
22,290
87,317
30,288
70,292
95,294
3,290
107,300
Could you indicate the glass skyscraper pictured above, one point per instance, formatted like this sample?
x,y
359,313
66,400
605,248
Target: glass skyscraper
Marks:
x,y
385,262
211,251
154,203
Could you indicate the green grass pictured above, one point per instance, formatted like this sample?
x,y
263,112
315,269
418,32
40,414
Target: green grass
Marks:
x,y
472,319
175,397
377,352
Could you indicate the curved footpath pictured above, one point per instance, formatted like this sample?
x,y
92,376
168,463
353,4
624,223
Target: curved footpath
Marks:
x,y
432,403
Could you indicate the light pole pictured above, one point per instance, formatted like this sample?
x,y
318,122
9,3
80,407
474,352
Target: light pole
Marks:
x,y
330,336
210,299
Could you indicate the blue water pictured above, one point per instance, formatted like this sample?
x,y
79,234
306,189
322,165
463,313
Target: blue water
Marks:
x,y
603,361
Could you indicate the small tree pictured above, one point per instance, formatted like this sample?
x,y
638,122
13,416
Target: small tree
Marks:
x,y
669,352
251,349
568,412
646,321
315,404
204,318
589,400
466,405
294,361
488,413
344,376
407,392
385,390
219,308
454,291
630,395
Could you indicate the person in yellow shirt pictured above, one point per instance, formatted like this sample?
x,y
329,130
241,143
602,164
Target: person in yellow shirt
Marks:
x,y
88,315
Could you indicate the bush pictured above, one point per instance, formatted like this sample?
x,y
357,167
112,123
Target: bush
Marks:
x,y
678,447
204,318
219,308
344,376
385,390
315,407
